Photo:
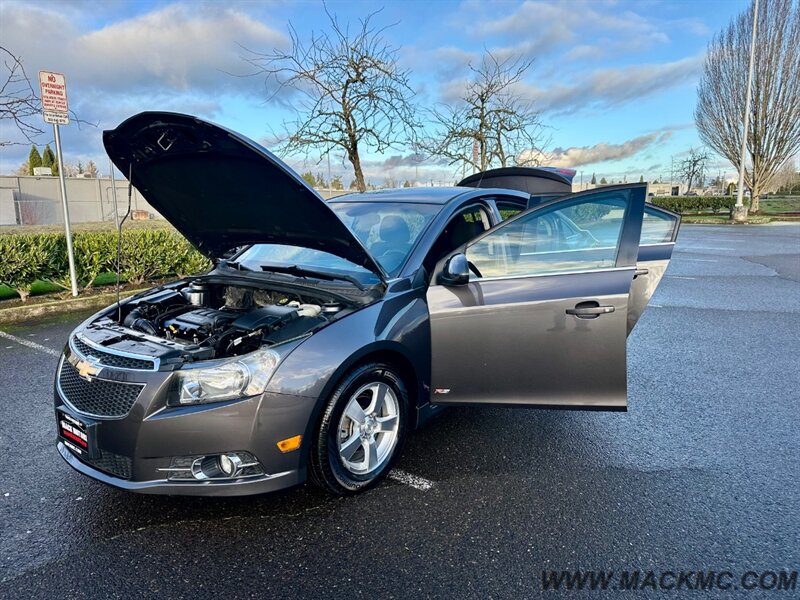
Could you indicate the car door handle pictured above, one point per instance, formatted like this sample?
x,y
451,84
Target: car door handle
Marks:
x,y
589,310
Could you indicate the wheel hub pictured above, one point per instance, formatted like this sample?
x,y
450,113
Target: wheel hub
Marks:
x,y
368,428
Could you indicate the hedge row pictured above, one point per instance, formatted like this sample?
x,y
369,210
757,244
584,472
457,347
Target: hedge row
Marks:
x,y
146,254
696,204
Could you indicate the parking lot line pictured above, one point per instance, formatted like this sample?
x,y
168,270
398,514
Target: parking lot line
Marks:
x,y
419,483
29,344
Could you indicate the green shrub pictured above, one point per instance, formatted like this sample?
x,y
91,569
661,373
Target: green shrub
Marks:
x,y
146,254
26,258
695,204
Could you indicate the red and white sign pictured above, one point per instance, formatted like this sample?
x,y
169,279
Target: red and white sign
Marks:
x,y
54,92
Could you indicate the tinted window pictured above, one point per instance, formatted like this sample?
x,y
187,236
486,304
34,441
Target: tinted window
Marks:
x,y
463,227
582,235
388,230
657,226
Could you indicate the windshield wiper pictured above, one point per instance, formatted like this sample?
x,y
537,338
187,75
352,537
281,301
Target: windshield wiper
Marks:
x,y
301,272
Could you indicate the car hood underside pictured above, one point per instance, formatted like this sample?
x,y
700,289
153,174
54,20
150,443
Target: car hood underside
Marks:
x,y
222,190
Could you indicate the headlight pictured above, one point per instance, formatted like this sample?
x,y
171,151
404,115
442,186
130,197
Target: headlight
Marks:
x,y
248,375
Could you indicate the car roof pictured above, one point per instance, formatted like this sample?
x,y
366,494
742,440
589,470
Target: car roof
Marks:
x,y
414,195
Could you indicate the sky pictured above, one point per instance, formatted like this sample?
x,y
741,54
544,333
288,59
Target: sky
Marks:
x,y
614,80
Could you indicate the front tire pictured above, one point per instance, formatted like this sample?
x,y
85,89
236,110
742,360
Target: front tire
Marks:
x,y
361,431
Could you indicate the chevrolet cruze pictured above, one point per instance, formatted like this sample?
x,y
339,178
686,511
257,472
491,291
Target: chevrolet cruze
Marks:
x,y
327,331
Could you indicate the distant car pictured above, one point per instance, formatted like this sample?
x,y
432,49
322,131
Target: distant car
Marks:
x,y
327,331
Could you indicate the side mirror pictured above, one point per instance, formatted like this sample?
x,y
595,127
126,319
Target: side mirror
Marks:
x,y
456,271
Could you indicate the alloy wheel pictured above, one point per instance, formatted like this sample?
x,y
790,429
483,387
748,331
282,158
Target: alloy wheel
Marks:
x,y
368,428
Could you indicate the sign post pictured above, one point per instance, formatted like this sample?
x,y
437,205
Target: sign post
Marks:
x,y
55,110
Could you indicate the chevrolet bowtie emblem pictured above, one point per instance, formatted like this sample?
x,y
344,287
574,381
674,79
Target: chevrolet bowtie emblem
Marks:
x,y
86,369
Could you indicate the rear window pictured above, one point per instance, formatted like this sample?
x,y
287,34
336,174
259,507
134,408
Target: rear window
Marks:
x,y
657,227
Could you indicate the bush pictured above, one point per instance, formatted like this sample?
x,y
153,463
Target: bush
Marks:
x,y
27,258
695,204
146,254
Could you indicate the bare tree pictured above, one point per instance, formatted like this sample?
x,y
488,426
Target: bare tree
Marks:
x,y
19,104
353,93
692,168
492,117
774,134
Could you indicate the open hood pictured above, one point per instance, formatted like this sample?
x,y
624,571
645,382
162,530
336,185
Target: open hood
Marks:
x,y
222,190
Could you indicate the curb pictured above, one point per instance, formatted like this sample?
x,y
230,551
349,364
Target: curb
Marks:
x,y
59,307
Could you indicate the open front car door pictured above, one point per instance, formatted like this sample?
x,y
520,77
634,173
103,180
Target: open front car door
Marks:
x,y
535,311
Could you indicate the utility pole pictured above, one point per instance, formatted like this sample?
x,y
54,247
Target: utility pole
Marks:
x,y
739,211
114,194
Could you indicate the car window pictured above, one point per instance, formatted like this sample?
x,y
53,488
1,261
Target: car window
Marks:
x,y
657,226
387,229
508,209
579,236
465,225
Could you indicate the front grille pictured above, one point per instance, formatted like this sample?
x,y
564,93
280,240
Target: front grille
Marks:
x,y
113,464
97,397
111,360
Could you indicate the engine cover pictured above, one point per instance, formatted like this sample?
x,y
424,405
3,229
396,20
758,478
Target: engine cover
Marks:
x,y
200,322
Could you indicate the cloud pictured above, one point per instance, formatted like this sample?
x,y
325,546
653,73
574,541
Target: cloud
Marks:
x,y
546,26
584,155
178,47
605,88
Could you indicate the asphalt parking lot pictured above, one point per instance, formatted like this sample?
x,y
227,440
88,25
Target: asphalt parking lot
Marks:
x,y
700,473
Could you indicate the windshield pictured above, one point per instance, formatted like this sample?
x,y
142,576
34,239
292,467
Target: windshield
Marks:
x,y
281,255
388,230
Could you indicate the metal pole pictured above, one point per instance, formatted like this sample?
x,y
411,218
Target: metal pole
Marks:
x,y
70,255
329,173
740,191
114,194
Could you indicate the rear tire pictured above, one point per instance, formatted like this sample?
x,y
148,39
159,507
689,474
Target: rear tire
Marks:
x,y
361,431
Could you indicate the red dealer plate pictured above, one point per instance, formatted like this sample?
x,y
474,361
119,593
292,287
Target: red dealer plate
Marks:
x,y
74,433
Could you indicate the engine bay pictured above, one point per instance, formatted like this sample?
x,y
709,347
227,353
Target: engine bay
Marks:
x,y
202,320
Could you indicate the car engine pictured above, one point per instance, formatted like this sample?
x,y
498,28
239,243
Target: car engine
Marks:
x,y
203,321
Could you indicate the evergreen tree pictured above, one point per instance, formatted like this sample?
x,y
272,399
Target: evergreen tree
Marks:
x,y
603,181
49,160
309,178
594,179
641,178
80,168
321,181
336,183
406,184
34,160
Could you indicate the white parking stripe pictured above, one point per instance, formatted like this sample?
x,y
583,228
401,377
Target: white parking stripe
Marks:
x,y
419,483
30,344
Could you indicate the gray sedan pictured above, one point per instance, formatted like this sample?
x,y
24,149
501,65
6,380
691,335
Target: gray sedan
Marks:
x,y
327,331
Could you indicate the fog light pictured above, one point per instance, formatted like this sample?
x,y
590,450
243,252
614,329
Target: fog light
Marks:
x,y
229,464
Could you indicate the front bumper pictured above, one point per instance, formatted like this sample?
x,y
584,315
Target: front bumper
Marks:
x,y
135,451
244,487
